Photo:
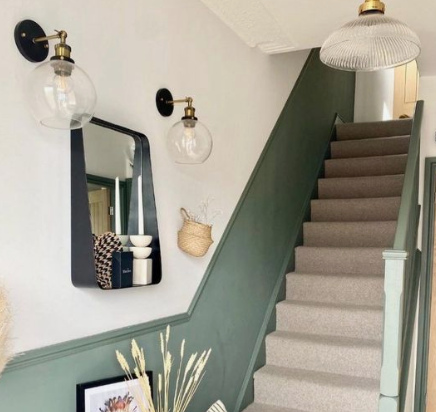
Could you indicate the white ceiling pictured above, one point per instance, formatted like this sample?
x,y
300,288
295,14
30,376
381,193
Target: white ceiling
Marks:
x,y
279,26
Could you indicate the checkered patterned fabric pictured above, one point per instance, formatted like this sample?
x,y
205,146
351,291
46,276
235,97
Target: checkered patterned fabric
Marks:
x,y
104,246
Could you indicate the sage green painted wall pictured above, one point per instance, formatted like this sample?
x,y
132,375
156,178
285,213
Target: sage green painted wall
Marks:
x,y
231,310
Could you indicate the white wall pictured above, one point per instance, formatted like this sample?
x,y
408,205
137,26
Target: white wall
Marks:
x,y
374,96
427,92
130,49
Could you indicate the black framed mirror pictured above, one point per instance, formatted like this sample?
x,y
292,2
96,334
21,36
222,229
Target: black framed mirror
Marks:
x,y
102,152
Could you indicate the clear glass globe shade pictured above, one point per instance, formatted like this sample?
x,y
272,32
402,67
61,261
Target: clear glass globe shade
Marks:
x,y
61,95
371,42
189,142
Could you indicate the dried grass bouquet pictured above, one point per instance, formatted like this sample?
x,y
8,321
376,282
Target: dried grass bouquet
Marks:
x,y
188,378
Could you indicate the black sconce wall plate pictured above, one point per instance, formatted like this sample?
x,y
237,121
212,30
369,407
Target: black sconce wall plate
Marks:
x,y
25,32
162,97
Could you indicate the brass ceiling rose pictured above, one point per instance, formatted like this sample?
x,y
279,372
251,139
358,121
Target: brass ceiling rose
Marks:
x,y
372,5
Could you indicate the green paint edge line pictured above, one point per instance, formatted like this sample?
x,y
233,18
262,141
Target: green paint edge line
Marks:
x,y
276,291
72,347
52,352
250,183
426,286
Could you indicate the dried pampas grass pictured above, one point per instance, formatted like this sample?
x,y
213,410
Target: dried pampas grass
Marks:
x,y
4,330
189,377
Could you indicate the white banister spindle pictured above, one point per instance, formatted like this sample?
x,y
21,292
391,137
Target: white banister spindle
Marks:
x,y
395,263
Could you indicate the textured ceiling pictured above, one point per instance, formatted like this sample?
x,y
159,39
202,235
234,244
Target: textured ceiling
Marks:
x,y
279,26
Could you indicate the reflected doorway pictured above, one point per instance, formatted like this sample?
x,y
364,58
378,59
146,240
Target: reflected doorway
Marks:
x,y
101,198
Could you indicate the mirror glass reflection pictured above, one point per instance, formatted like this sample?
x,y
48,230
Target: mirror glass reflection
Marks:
x,y
108,155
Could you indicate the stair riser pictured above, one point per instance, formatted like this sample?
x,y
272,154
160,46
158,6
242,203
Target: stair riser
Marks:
x,y
352,188
362,234
359,361
355,210
309,396
335,289
381,166
352,131
370,147
339,261
347,322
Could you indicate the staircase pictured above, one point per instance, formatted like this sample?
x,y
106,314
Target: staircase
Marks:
x,y
325,355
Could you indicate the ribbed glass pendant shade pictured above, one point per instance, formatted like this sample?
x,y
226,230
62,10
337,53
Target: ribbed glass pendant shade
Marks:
x,y
371,42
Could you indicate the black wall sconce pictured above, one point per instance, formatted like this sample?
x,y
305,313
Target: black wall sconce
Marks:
x,y
188,141
60,94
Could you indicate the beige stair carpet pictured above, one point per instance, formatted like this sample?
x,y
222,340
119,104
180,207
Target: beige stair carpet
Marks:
x,y
325,355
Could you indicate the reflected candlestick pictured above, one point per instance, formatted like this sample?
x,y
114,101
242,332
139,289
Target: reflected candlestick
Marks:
x,y
140,208
117,207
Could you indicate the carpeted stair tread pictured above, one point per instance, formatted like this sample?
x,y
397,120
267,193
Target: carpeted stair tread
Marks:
x,y
332,288
364,322
360,187
349,234
358,261
382,146
333,354
326,352
366,166
260,407
315,391
355,210
351,131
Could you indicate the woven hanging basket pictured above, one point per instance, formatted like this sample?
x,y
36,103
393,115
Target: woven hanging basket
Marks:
x,y
194,238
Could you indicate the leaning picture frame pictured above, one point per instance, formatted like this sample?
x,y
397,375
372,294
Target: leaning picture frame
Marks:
x,y
108,395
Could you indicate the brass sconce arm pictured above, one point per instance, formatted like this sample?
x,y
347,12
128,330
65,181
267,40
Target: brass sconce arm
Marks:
x,y
188,100
32,42
62,50
165,104
189,110
60,34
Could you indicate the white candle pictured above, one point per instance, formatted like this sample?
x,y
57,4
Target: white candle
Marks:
x,y
117,207
140,208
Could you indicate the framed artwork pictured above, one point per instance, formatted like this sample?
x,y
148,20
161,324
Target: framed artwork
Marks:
x,y
110,395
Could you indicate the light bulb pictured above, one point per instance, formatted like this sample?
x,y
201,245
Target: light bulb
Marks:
x,y
62,94
189,142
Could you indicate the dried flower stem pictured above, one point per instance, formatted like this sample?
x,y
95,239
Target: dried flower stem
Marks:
x,y
185,388
204,217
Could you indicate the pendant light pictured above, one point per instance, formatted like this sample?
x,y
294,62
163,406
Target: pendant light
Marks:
x,y
371,42
188,141
60,94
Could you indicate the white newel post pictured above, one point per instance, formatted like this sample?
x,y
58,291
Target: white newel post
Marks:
x,y
388,404
395,263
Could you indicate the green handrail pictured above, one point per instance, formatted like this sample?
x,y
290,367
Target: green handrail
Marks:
x,y
409,197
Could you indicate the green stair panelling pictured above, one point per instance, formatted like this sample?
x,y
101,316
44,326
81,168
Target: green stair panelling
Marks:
x,y
232,308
